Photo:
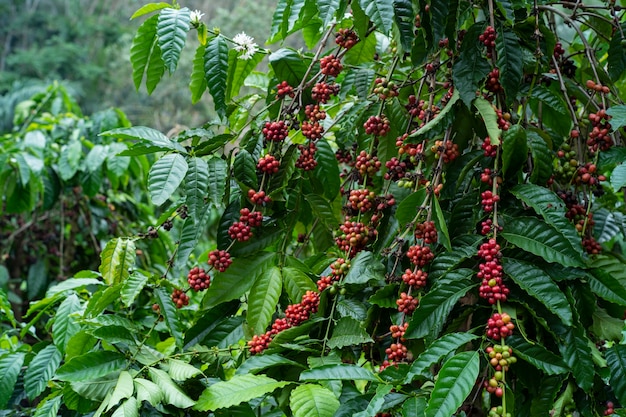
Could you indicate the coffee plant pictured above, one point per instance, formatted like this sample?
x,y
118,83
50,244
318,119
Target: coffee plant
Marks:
x,y
421,214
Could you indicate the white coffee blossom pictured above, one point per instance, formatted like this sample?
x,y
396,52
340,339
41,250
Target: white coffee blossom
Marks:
x,y
195,17
245,45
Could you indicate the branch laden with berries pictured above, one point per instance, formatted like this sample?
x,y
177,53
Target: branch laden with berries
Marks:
x,y
420,213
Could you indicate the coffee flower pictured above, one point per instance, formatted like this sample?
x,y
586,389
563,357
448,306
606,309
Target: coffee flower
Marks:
x,y
195,17
245,45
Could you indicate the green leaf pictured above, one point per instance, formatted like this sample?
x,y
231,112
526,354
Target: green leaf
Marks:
x,y
49,407
434,307
618,177
364,267
238,71
553,108
172,28
355,309
70,159
101,299
385,297
414,407
577,354
263,299
380,12
616,55
165,176
196,184
148,391
40,370
362,52
238,389
153,137
454,383
170,314
117,257
91,365
348,332
312,400
543,403
377,402
132,287
5,305
289,65
442,227
327,169
142,48
244,169
149,8
441,117
181,371
322,210
538,284
510,62
327,10
155,69
436,351
607,286
514,150
172,393
10,367
616,359
618,116
129,408
551,207
258,363
197,83
537,355
296,283
358,80
237,279
278,21
541,157
541,239
190,234
471,67
216,71
487,112
218,170
408,208
341,371
123,389
65,325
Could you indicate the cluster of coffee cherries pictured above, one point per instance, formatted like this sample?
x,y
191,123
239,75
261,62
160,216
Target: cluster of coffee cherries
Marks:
x,y
488,38
609,409
385,88
499,326
276,131
322,91
566,162
500,358
367,164
599,137
420,111
353,236
330,65
492,83
447,151
577,214
339,269
377,126
295,314
268,164
180,298
346,38
220,259
284,90
242,229
198,279
492,288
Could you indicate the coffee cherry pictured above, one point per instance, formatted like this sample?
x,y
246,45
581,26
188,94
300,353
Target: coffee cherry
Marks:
x,y
306,161
330,65
314,113
360,201
268,164
490,150
377,126
406,303
367,164
499,326
420,256
179,298
489,250
397,331
493,82
259,343
346,38
219,259
448,152
312,131
275,131
198,279
322,92
240,231
283,90
488,37
416,279
488,200
354,236
258,197
396,352
426,231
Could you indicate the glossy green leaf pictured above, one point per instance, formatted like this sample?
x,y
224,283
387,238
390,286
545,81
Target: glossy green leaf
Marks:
x,y
237,279
544,401
408,208
436,351
377,402
49,407
340,372
170,314
514,150
454,383
288,65
172,393
380,12
616,54
538,284
364,267
258,363
618,177
348,332
238,389
65,324
155,68
129,408
165,176
218,170
278,21
6,309
181,371
91,365
197,82
362,52
576,353
142,48
414,407
101,299
537,355
40,370
322,210
123,390
607,286
441,225
133,286
216,71
10,367
263,299
297,283
196,184
145,134
510,62
618,116
471,67
312,400
149,8
172,28
244,169
327,10
541,158
327,169
490,118
385,297
616,360
434,307
239,70
541,239
148,391
69,161
116,259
